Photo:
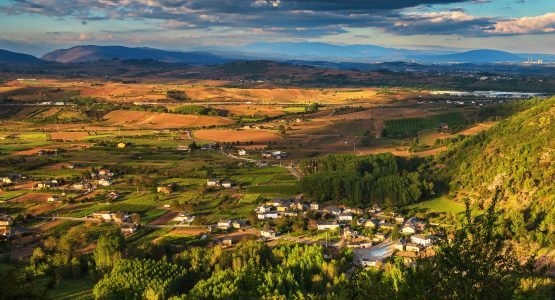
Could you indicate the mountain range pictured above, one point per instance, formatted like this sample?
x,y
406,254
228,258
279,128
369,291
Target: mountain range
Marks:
x,y
309,52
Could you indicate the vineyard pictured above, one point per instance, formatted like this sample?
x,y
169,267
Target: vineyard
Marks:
x,y
452,121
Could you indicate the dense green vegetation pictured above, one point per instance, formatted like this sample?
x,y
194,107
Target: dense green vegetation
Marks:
x,y
195,110
517,156
410,126
363,181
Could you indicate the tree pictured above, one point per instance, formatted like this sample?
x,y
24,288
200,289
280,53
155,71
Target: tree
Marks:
x,y
108,251
475,262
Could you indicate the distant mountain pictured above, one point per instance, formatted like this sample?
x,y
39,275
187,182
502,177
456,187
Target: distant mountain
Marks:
x,y
324,51
473,56
93,53
14,57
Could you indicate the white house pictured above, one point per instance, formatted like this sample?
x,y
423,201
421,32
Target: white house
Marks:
x,y
345,217
327,225
314,206
212,182
242,152
270,233
184,217
422,240
227,184
53,198
224,224
105,182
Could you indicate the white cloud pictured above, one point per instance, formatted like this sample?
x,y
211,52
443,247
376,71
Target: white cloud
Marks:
x,y
525,25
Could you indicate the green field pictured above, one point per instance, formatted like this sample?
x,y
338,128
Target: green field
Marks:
x,y
410,126
442,204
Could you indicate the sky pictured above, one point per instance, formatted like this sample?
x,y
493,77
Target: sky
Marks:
x,y
38,26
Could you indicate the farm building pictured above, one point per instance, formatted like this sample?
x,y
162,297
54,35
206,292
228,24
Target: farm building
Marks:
x,y
327,225
184,217
53,198
6,225
129,228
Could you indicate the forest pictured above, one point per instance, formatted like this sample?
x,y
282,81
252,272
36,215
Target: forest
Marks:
x,y
364,181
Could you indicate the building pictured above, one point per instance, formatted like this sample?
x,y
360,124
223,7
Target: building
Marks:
x,y
166,189
227,242
387,226
372,223
242,152
47,185
105,172
412,247
183,148
314,206
349,234
82,186
345,217
224,224
327,225
102,216
333,210
6,225
184,217
53,198
212,182
105,181
113,195
399,246
422,240
269,234
269,215
399,219
238,224
122,145
408,230
227,184
264,209
13,178
129,228
379,237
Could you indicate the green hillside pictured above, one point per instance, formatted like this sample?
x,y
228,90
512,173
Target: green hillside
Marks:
x,y
516,156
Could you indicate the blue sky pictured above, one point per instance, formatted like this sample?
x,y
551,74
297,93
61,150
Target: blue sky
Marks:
x,y
37,26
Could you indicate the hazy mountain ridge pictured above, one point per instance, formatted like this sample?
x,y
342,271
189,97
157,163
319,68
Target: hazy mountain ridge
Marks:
x,y
93,53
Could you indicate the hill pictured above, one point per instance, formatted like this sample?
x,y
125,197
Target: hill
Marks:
x,y
517,156
473,56
14,57
89,53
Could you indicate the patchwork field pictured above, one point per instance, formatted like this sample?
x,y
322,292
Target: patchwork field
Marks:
x,y
143,119
243,136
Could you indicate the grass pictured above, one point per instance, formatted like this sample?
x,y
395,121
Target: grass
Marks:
x,y
79,289
5,196
441,204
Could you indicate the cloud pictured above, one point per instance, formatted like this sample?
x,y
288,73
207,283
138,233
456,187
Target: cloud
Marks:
x,y
439,23
525,25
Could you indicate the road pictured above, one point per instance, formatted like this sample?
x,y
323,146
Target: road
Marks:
x,y
290,168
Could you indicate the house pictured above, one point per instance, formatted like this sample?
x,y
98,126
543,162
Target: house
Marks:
x,y
366,262
6,225
224,224
422,240
227,184
8,179
314,206
412,247
354,211
183,148
82,186
113,195
105,181
102,216
266,154
47,185
387,226
53,198
105,172
291,214
399,246
333,210
379,237
270,215
297,206
279,202
227,242
129,228
166,189
372,223
327,225
345,217
238,224
184,217
269,234
212,182
417,223
408,230
282,208
242,152
278,154
264,209
120,217
122,145
399,219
